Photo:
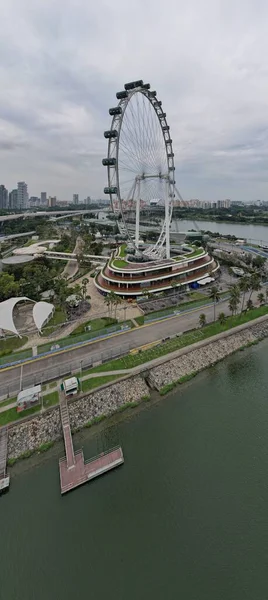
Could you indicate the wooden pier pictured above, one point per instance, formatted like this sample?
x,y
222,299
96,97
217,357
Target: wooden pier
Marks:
x,y
74,469
4,477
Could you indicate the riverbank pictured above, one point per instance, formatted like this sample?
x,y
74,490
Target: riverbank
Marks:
x,y
37,434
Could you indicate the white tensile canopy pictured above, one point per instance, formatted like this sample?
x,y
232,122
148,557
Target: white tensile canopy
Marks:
x,y
6,314
41,312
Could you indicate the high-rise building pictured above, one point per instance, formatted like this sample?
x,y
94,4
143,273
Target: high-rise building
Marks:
x,y
52,201
43,198
13,199
34,201
3,197
22,195
75,198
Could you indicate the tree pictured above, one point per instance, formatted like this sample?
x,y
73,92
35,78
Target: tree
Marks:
x,y
117,302
113,300
258,261
261,298
85,281
8,286
249,304
255,284
244,285
233,305
202,319
215,296
107,301
222,318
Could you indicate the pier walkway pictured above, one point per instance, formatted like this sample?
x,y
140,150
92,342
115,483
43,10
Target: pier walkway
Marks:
x,y
4,478
74,469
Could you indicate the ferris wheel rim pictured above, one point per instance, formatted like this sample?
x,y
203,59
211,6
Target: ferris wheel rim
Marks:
x,y
114,149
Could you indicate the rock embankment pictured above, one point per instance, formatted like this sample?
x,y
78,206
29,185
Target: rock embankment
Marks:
x,y
107,401
205,356
31,434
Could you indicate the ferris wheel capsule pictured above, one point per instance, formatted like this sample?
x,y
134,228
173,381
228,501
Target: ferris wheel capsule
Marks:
x,y
139,162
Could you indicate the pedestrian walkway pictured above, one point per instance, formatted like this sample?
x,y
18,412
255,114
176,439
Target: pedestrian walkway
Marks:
x,y
74,470
4,477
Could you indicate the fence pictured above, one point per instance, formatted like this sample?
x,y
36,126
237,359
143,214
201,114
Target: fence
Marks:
x,y
68,368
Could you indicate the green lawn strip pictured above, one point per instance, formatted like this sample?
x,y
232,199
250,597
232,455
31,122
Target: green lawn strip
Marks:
x,y
83,337
11,414
93,382
185,257
51,399
14,356
58,318
7,402
186,339
119,263
95,324
179,307
9,344
122,251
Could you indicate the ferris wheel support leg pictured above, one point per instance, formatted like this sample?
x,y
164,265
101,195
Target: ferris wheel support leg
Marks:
x,y
167,219
137,229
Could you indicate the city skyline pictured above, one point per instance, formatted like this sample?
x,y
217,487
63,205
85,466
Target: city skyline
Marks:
x,y
210,74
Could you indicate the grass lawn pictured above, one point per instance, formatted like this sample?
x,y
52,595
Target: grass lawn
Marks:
x,y
12,415
95,324
185,257
90,384
51,399
58,318
9,344
122,251
130,361
7,402
84,337
119,263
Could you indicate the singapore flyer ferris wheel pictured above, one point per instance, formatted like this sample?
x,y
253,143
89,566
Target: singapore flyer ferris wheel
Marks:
x,y
140,163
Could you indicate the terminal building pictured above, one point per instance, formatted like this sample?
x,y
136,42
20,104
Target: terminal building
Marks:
x,y
130,279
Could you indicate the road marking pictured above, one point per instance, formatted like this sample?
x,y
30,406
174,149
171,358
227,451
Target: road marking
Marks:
x,y
83,344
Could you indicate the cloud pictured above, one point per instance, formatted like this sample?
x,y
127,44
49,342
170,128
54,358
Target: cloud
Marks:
x,y
63,62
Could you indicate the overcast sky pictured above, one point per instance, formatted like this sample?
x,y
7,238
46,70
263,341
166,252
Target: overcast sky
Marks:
x,y
62,62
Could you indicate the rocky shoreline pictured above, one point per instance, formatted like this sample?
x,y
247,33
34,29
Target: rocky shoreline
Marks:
x,y
39,432
36,433
165,376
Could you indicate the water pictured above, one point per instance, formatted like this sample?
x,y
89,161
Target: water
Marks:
x,y
185,517
250,232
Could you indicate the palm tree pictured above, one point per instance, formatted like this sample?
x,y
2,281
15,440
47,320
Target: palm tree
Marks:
x,y
113,300
244,286
117,301
261,298
215,296
249,304
222,318
107,301
202,319
255,284
233,305
85,281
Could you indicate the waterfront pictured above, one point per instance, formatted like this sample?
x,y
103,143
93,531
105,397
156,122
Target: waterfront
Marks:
x,y
185,516
250,232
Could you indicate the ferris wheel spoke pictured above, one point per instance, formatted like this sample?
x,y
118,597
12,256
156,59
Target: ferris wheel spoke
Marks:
x,y
143,159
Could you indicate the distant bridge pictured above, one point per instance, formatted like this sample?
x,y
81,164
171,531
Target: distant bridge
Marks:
x,y
46,213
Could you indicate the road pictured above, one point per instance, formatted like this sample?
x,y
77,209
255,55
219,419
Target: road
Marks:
x,y
43,369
